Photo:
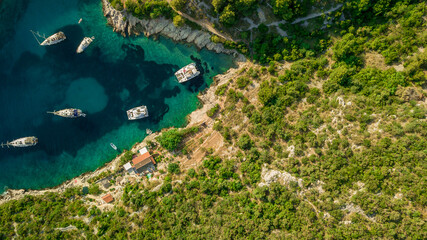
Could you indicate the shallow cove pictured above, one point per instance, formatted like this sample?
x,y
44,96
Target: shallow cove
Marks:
x,y
111,76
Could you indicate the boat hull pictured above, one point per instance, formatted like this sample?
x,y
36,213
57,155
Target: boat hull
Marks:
x,y
137,113
187,73
84,44
22,142
54,39
69,113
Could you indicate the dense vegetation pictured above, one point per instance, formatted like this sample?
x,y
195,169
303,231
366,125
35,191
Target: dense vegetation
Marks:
x,y
144,8
351,132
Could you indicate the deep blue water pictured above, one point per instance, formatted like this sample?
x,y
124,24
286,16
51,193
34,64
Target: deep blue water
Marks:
x,y
111,76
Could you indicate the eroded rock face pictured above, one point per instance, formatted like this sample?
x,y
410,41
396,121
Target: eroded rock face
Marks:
x,y
269,176
127,25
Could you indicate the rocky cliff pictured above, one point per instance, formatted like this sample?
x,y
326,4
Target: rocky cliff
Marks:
x,y
126,24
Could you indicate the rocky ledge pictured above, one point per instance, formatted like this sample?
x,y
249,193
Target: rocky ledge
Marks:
x,y
126,24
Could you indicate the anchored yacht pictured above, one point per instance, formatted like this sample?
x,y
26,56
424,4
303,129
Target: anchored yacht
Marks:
x,y
137,113
84,44
69,113
54,39
21,142
187,73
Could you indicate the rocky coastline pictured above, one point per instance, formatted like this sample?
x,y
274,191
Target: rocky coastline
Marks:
x,y
196,117
127,25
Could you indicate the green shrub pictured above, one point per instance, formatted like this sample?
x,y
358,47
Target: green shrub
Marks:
x,y
213,110
242,82
173,168
220,91
245,142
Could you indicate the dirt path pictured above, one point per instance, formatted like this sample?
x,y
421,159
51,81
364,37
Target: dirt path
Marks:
x,y
277,23
314,15
203,23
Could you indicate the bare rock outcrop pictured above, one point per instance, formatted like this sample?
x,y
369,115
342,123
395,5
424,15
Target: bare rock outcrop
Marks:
x,y
126,24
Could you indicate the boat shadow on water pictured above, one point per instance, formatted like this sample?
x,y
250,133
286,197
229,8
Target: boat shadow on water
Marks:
x,y
63,67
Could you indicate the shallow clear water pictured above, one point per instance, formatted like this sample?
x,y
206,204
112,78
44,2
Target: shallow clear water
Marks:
x,y
111,76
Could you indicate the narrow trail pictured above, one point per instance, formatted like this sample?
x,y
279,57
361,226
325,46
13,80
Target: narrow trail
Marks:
x,y
204,23
314,15
277,23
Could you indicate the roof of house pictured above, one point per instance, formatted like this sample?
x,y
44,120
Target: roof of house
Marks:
x,y
127,166
143,150
143,160
108,198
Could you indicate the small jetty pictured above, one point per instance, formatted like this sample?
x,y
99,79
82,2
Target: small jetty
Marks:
x,y
187,73
137,113
51,40
84,44
21,142
69,113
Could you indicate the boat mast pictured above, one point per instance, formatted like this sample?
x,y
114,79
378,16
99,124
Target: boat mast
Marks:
x,y
38,34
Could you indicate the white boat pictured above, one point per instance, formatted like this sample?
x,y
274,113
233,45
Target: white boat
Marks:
x,y
84,44
137,113
113,146
69,113
22,142
54,39
187,73
80,20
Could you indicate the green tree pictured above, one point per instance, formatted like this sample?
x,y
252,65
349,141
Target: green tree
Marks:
x,y
179,4
228,17
218,5
245,142
178,21
173,168
170,139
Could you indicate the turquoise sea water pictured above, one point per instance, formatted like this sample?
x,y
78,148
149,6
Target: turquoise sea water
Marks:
x,y
111,76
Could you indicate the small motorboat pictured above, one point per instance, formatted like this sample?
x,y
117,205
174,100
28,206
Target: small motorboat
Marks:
x,y
148,131
113,146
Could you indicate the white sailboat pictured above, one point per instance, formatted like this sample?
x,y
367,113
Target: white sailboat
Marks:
x,y
137,113
21,142
69,113
51,40
84,44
